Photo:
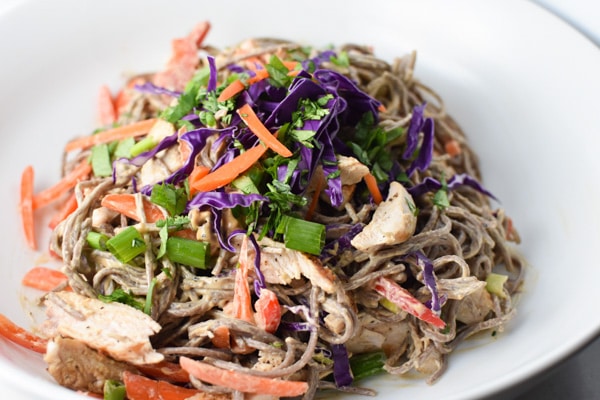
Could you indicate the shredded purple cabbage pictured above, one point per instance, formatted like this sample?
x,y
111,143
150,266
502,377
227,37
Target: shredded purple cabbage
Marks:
x,y
430,184
221,200
342,373
429,280
151,88
212,79
418,124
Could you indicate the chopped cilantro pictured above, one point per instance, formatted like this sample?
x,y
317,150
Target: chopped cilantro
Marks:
x,y
120,296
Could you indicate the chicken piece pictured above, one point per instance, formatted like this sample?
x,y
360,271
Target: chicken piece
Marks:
x,y
280,265
102,217
116,329
475,307
352,171
459,288
393,221
76,366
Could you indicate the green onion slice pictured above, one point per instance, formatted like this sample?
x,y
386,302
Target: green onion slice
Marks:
x,y
101,164
302,235
188,252
126,245
97,240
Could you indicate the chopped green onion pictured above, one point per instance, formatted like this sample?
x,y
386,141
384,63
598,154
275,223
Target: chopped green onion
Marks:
x,y
101,164
126,245
123,149
147,143
149,296
367,364
494,283
171,198
188,252
113,390
97,240
302,235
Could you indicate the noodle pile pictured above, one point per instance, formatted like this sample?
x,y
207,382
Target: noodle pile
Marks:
x,y
458,243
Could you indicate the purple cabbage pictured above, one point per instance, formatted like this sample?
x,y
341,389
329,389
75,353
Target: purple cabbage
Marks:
x,y
212,78
342,373
418,124
429,280
149,87
221,200
430,184
196,140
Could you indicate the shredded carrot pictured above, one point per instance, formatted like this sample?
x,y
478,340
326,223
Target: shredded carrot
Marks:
x,y
26,206
165,370
242,305
124,203
199,172
67,183
373,188
452,148
260,75
226,173
107,113
256,126
242,382
139,387
315,199
132,130
44,278
20,336
382,108
291,65
294,72
67,208
231,90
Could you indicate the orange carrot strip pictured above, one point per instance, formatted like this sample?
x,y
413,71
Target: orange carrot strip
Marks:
x,y
199,172
139,387
315,199
44,278
226,173
107,113
382,108
243,382
125,204
69,207
20,336
132,130
26,206
373,188
165,370
242,302
260,74
452,148
67,183
231,90
291,65
257,127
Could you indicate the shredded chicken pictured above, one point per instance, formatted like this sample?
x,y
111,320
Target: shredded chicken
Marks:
x,y
102,326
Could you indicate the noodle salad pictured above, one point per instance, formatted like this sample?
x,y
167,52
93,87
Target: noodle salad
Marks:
x,y
267,219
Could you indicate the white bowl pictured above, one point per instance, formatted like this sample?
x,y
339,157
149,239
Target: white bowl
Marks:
x,y
521,83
